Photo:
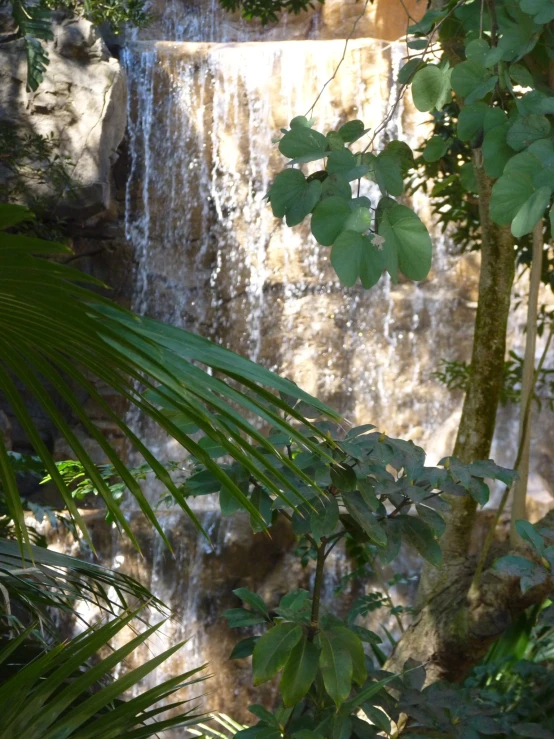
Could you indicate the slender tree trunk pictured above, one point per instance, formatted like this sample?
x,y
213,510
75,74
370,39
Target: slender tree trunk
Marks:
x,y
527,384
477,423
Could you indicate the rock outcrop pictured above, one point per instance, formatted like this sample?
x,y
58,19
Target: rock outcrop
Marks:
x,y
81,104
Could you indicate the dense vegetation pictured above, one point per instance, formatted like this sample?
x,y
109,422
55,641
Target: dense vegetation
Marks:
x,y
482,69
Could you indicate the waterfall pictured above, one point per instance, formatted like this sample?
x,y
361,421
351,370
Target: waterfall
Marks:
x,y
212,258
205,102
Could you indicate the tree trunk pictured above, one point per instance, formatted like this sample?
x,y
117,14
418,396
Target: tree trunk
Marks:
x,y
451,630
476,428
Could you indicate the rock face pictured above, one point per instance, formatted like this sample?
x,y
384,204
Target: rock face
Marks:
x,y
81,103
198,20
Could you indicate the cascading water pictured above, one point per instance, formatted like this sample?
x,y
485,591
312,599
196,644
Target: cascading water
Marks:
x,y
211,258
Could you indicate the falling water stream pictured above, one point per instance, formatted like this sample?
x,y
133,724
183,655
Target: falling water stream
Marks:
x,y
211,258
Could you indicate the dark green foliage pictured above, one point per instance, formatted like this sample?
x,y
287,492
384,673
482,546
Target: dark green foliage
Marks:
x,y
267,11
455,375
363,245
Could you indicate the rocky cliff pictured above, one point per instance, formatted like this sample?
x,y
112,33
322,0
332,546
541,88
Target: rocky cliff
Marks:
x,y
81,104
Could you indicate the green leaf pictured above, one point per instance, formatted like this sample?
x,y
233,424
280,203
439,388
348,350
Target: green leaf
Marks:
x,y
345,164
300,121
286,188
388,173
253,600
509,194
521,75
430,88
482,90
335,184
353,256
244,648
272,651
302,142
529,534
352,131
304,204
240,617
477,50
299,672
432,519
263,714
419,535
325,517
435,149
364,516
11,215
359,220
426,23
531,212
336,667
468,77
407,246
407,72
496,152
468,179
527,129
228,502
353,644
328,219
377,717
493,57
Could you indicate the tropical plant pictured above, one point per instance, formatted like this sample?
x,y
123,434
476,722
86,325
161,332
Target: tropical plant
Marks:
x,y
57,332
57,691
481,68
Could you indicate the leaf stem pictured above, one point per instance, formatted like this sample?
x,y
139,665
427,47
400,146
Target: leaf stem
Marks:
x,y
316,597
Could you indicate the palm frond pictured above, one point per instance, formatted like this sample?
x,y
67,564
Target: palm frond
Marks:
x,y
60,693
56,333
45,579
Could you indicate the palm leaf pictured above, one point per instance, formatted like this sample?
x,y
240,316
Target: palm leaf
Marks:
x,y
49,579
57,334
59,693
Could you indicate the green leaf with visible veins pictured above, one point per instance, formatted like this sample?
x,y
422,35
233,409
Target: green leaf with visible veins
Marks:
x,y
299,672
407,246
336,667
272,651
420,536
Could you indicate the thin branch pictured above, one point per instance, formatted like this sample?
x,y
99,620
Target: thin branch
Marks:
x,y
526,418
528,382
316,598
358,19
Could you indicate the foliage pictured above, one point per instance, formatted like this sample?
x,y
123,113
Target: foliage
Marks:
x,y
54,327
364,244
34,25
378,491
455,375
267,11
47,693
503,107
30,164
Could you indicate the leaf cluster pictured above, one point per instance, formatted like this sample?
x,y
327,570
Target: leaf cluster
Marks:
x,y
365,239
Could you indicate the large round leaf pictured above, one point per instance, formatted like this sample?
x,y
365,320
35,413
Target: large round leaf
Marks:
x,y
527,129
301,142
471,120
359,220
531,212
304,204
328,219
407,243
467,77
509,194
427,87
335,184
287,186
353,256
496,152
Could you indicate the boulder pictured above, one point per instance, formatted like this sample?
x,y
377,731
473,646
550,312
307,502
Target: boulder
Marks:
x,y
81,104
